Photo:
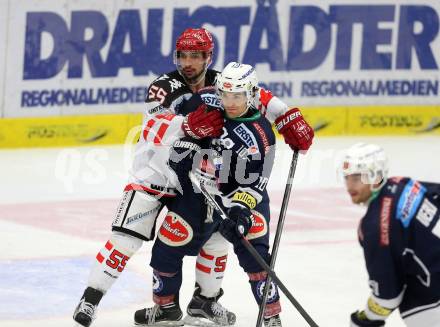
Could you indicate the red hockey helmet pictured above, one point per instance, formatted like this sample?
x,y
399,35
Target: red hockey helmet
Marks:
x,y
195,39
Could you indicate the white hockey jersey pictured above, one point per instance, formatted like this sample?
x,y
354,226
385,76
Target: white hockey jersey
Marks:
x,y
162,127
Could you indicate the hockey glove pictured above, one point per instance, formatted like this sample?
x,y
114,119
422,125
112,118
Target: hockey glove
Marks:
x,y
203,123
237,225
296,131
359,319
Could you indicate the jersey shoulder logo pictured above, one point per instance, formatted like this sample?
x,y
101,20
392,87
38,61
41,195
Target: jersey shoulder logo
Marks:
x,y
175,84
409,201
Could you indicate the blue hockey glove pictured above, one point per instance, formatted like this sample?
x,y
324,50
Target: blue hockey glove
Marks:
x,y
359,319
238,224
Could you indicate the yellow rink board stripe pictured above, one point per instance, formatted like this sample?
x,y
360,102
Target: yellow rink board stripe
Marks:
x,y
66,131
374,120
114,128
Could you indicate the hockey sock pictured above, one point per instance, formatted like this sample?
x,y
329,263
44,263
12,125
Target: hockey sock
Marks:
x,y
211,265
258,281
111,260
166,287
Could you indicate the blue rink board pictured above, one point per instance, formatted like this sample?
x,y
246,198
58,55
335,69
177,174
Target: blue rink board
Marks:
x,y
49,288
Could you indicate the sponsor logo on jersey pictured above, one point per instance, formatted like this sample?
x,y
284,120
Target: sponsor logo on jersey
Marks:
x,y
155,110
263,136
259,226
409,201
426,212
385,214
175,231
246,135
245,198
252,150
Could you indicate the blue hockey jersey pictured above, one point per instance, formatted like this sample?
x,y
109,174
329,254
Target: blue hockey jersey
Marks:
x,y
244,154
400,236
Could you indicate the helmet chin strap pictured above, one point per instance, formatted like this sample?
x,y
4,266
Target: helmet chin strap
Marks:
x,y
379,185
244,112
374,192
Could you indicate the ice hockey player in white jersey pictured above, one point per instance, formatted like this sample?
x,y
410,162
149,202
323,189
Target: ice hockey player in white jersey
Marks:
x,y
246,148
152,184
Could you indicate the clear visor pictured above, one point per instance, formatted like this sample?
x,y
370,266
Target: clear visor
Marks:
x,y
189,55
232,97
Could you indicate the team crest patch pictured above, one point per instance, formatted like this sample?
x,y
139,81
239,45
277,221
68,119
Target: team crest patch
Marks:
x,y
157,283
273,293
175,231
259,226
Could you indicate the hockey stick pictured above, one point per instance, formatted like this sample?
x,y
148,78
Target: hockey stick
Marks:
x,y
254,252
277,239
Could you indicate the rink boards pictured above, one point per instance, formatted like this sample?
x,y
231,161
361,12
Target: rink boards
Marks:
x,y
364,68
122,128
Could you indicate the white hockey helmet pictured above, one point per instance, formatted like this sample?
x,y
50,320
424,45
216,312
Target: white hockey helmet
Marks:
x,y
368,160
237,77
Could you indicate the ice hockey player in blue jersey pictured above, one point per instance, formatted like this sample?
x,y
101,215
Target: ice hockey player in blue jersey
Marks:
x,y
151,183
238,164
400,237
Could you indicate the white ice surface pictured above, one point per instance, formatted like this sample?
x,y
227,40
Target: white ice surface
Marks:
x,y
56,207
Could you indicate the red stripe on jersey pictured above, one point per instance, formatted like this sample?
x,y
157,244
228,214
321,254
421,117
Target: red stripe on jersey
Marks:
x,y
160,133
205,255
203,268
150,124
100,257
137,187
265,97
108,245
168,117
